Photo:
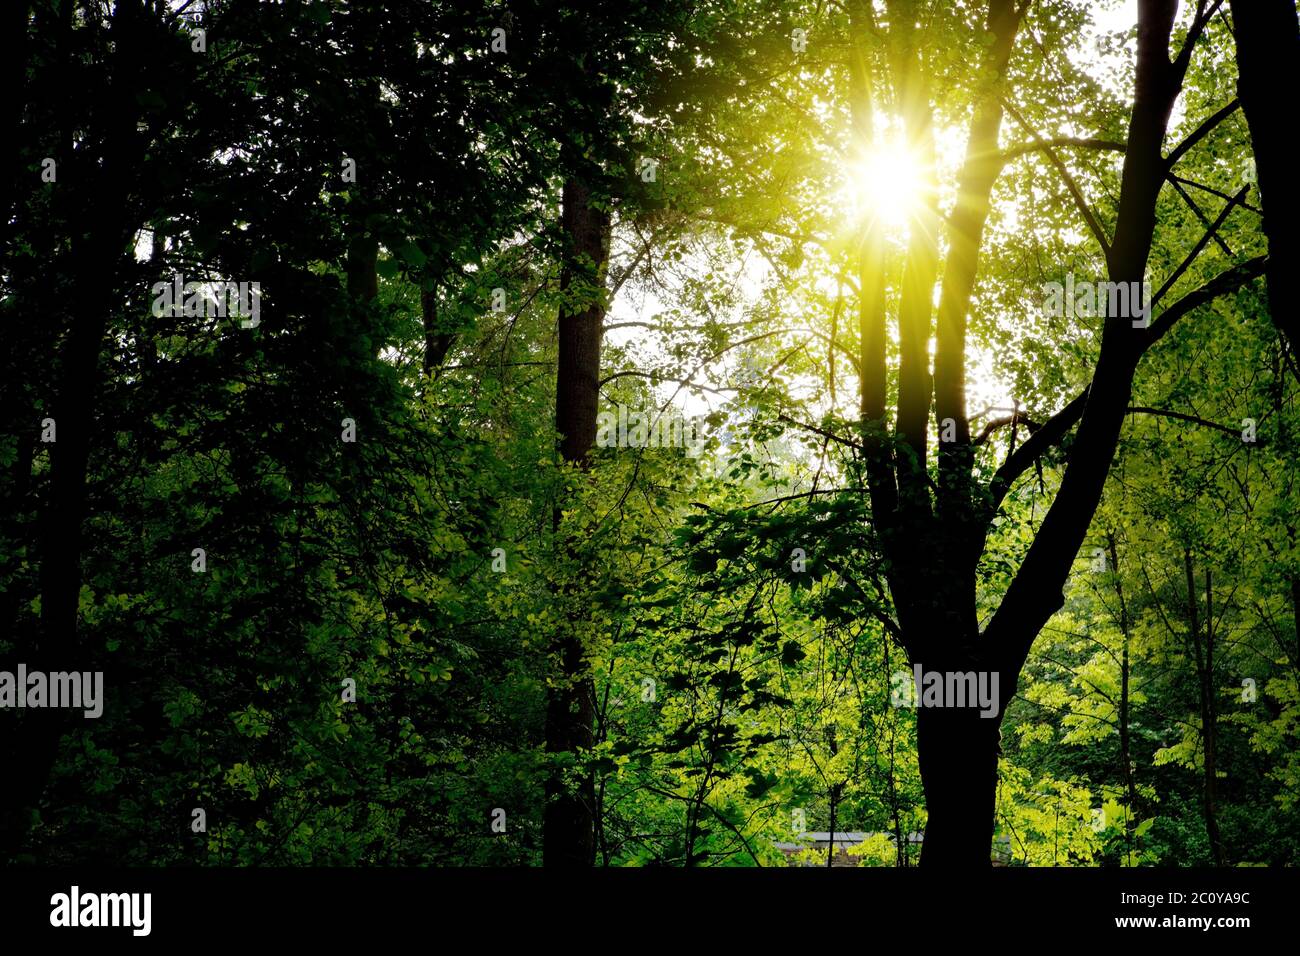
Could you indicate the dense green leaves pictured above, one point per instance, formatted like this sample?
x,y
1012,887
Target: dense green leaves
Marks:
x,y
359,670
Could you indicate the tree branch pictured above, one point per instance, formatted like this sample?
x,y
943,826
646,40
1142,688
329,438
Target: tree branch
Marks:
x,y
1196,250
830,436
1200,133
1056,427
685,383
1205,220
1048,436
1203,15
1020,149
1070,184
1212,191
1224,282
1018,418
1164,413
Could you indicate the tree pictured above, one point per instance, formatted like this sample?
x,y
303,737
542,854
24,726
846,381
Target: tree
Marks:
x,y
934,543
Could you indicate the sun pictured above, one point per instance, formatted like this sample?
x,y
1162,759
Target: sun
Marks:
x,y
888,184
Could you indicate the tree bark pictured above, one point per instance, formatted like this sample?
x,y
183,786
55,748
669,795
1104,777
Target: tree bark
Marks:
x,y
568,824
1267,38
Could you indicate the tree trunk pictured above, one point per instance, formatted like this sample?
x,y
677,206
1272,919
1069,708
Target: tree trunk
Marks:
x,y
568,824
1125,732
1295,614
932,552
834,792
436,342
15,49
98,258
362,267
1268,41
1204,659
958,755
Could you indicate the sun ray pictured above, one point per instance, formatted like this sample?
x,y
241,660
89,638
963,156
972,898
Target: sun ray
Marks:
x,y
889,184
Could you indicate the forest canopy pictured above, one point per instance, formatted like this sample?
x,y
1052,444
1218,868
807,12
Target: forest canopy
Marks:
x,y
691,433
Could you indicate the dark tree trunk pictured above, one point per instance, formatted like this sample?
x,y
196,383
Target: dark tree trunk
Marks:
x,y
934,551
834,793
14,51
436,342
1295,615
580,325
1268,44
98,258
362,268
958,755
1203,656
1125,732
568,824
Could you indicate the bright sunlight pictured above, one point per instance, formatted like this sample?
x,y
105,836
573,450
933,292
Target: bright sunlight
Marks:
x,y
889,183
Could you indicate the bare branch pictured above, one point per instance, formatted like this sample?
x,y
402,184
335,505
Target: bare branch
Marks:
x,y
1203,15
1013,152
1212,191
1093,224
831,436
1205,220
1200,133
1165,413
685,383
1018,418
1196,251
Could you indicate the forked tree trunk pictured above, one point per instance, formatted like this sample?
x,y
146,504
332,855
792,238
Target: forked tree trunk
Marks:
x,y
959,762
